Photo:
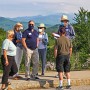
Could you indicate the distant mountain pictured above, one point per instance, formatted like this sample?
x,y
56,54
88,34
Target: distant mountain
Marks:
x,y
49,19
6,24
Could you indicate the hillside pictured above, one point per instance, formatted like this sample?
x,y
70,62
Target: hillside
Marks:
x,y
53,28
8,24
52,19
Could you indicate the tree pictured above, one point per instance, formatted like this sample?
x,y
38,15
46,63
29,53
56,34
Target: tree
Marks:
x,y
82,40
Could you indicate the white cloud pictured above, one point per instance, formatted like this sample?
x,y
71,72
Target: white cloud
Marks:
x,y
13,8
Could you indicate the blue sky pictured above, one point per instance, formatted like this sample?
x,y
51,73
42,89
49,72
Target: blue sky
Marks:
x,y
18,8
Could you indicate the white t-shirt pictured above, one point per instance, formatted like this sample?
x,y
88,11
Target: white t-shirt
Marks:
x,y
9,46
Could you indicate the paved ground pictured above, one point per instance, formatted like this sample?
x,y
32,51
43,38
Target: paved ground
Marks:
x,y
78,78
73,88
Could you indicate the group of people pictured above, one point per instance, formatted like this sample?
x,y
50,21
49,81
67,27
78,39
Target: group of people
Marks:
x,y
33,44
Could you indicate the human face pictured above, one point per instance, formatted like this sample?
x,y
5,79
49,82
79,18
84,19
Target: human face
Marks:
x,y
21,28
65,22
31,25
42,28
12,35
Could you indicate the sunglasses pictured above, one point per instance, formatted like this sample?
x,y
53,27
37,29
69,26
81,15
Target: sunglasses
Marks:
x,y
40,27
31,24
64,21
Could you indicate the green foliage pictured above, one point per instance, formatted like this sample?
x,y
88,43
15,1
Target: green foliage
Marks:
x,y
2,37
82,41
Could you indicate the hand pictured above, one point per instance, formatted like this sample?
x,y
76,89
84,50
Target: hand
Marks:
x,y
40,39
6,63
53,34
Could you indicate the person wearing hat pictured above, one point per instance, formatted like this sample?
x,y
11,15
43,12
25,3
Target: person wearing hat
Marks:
x,y
18,42
62,53
70,33
42,46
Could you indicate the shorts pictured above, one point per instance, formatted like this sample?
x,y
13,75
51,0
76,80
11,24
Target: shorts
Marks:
x,y
63,63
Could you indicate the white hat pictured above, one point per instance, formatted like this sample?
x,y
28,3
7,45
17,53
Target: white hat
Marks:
x,y
42,25
64,18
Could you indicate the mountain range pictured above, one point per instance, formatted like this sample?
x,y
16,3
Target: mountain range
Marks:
x,y
49,20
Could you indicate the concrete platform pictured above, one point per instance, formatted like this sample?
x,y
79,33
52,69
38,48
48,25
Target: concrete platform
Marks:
x,y
49,81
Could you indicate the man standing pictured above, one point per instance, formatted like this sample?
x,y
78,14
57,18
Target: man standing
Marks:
x,y
70,33
62,53
30,44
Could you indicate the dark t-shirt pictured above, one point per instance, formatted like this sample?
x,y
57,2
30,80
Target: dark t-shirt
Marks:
x,y
63,45
31,38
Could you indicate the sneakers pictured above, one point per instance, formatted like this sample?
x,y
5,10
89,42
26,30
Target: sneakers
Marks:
x,y
15,78
68,87
37,74
59,88
42,74
34,77
27,79
19,77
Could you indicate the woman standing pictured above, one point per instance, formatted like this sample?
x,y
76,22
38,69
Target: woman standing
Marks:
x,y
42,46
8,58
19,47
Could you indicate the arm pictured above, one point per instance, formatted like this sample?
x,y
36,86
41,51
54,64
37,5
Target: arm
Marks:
x,y
5,56
55,51
70,50
56,35
72,32
24,43
37,41
47,37
18,41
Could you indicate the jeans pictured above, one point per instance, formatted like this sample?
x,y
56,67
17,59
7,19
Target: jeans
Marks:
x,y
42,55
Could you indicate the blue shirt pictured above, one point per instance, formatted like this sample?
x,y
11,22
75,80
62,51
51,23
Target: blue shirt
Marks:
x,y
31,38
19,37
